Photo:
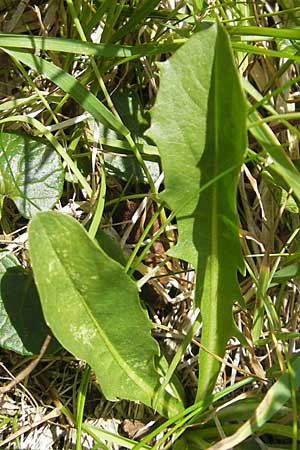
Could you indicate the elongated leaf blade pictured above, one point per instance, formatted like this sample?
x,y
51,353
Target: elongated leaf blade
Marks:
x,y
106,50
93,309
139,15
179,130
69,84
273,402
215,228
31,173
281,164
199,127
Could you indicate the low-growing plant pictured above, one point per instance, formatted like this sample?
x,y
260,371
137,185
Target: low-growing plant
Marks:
x,y
86,289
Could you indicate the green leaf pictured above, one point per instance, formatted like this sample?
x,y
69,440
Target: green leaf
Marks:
x,y
22,325
139,14
126,166
273,401
280,164
199,126
283,33
256,50
279,189
69,84
110,246
131,110
286,273
74,46
31,173
100,435
93,309
198,6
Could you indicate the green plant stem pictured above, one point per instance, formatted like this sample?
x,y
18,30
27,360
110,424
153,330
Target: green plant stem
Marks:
x,y
34,87
263,15
193,412
253,49
286,116
100,205
294,401
274,323
99,434
273,93
283,33
272,429
116,202
127,136
123,198
178,355
59,107
81,398
140,241
114,10
140,160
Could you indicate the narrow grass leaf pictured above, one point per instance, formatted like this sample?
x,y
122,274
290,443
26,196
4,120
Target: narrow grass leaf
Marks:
x,y
100,434
81,399
93,309
99,207
193,413
74,46
284,33
255,50
137,17
273,401
69,84
280,163
199,127
262,287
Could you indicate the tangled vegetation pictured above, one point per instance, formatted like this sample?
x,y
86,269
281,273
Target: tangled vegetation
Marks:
x,y
150,191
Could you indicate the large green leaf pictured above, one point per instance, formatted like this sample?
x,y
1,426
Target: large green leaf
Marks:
x,y
22,325
31,173
93,309
199,127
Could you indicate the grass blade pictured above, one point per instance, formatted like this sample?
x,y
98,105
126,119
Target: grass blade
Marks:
x,y
69,84
275,398
74,46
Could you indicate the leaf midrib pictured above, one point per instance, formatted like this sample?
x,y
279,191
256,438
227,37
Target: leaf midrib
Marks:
x,y
124,366
213,261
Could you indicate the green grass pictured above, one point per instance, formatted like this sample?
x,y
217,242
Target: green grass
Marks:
x,y
61,60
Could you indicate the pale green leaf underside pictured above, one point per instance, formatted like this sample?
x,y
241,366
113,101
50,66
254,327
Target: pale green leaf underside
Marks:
x,y
93,309
199,127
31,173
